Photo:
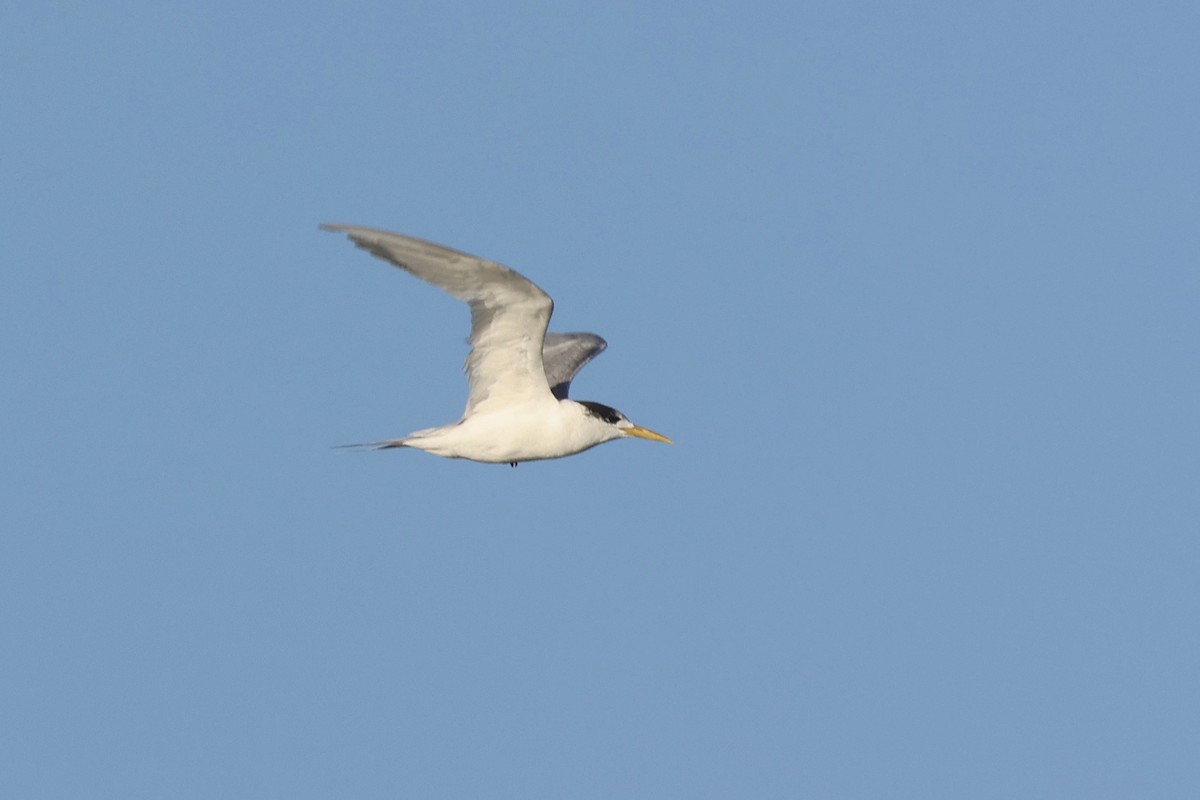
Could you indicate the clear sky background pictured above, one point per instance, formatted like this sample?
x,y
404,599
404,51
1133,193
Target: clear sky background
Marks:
x,y
915,287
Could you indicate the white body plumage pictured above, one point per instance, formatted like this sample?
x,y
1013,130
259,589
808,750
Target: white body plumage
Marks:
x,y
549,429
518,375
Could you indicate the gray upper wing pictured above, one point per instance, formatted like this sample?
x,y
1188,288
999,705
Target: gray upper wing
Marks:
x,y
508,314
564,354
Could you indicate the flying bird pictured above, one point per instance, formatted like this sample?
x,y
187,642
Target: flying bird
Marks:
x,y
517,373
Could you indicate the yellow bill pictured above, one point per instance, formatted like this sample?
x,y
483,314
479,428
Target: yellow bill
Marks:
x,y
646,433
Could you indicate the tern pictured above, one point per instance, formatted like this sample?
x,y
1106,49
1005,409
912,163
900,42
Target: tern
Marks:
x,y
518,374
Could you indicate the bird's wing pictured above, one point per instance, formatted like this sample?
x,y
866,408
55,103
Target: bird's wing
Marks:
x,y
564,354
509,314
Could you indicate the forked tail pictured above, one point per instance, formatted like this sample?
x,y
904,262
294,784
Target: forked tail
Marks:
x,y
388,444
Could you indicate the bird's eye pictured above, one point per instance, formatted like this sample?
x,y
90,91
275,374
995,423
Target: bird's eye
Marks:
x,y
602,412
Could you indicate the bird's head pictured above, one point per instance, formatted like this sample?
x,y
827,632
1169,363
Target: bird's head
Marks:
x,y
620,424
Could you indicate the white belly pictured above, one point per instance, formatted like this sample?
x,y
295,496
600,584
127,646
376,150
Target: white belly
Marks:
x,y
529,433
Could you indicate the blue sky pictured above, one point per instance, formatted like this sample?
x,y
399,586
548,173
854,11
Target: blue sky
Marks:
x,y
913,287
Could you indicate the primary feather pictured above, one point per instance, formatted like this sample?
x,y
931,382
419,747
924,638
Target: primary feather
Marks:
x,y
509,314
564,354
